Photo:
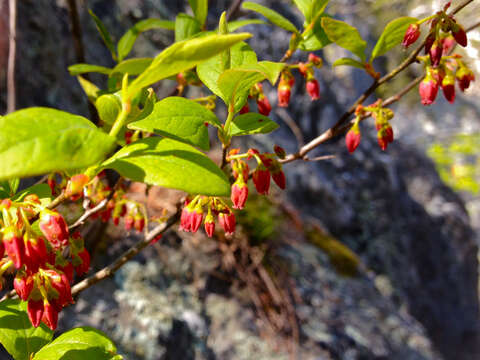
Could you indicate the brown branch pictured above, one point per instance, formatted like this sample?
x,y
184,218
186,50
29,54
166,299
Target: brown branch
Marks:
x,y
88,213
232,10
287,119
127,255
339,127
12,46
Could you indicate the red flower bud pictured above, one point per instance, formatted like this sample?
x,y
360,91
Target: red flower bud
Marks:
x,y
460,35
448,87
227,221
196,219
128,137
14,246
61,284
2,249
283,94
50,314
52,183
129,221
279,151
67,269
23,285
389,132
279,178
35,252
83,267
353,138
54,228
314,59
245,109
263,105
35,311
429,42
191,218
436,53
261,179
156,239
209,225
411,35
428,89
239,193
139,223
464,76
313,89
448,43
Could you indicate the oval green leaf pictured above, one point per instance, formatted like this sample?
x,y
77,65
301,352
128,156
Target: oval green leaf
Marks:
x,y
200,9
126,42
273,16
237,24
79,69
348,62
392,35
252,123
182,56
108,107
345,36
35,141
78,344
17,334
171,164
132,66
315,38
179,119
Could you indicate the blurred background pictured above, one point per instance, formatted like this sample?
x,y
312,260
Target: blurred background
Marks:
x,y
365,256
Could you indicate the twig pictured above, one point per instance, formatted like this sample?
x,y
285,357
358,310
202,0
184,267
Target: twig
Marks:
x,y
126,256
470,28
12,46
233,9
287,119
89,213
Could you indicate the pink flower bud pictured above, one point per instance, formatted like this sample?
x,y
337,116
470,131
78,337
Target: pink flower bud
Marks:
x,y
14,246
196,219
239,193
129,221
283,94
428,89
411,35
61,284
313,89
227,221
209,225
314,59
35,252
35,311
54,228
50,314
261,179
436,53
448,43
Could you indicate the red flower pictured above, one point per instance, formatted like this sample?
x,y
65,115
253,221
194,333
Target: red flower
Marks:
x,y
313,89
283,94
129,221
239,193
35,311
139,223
448,44
84,262
227,221
263,104
428,89
23,285
54,228
411,35
314,59
50,314
209,225
261,179
191,218
245,109
14,246
448,87
279,178
67,269
35,252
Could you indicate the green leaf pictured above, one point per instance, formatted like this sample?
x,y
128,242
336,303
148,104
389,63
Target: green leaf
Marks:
x,y
304,6
179,119
79,344
200,9
182,56
104,34
172,164
345,36
38,140
348,62
108,107
185,27
392,35
273,16
42,190
235,25
17,334
210,70
317,7
78,69
8,188
90,89
271,70
252,123
126,42
315,38
132,66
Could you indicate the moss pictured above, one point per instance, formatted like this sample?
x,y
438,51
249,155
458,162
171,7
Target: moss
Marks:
x,y
344,260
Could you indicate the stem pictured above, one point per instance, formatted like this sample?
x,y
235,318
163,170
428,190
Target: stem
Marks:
x,y
121,120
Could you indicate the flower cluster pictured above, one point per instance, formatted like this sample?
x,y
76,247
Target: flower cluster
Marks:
x,y
45,260
441,69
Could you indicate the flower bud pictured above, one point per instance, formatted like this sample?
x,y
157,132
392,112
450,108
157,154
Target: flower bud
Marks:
x,y
245,109
411,35
54,228
67,269
83,257
35,252
239,193
52,183
459,34
196,218
313,89
23,285
61,284
129,222
50,314
209,225
448,87
14,246
428,88
464,76
448,43
315,60
436,53
279,151
353,138
35,311
263,105
227,221
261,179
